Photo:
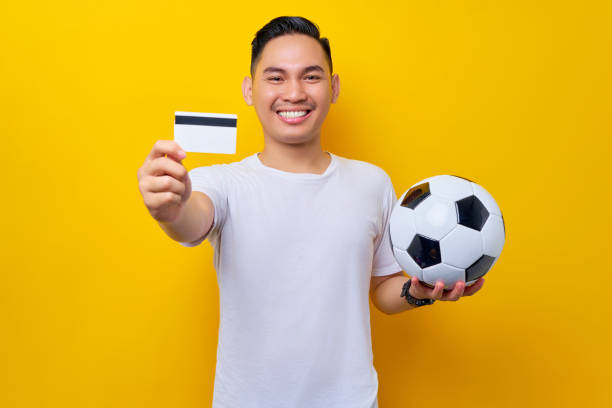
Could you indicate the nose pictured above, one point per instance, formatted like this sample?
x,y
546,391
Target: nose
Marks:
x,y
294,91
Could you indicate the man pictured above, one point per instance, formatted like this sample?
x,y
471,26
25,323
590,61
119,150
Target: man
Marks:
x,y
300,238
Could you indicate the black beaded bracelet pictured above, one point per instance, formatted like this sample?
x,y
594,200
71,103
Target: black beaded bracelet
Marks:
x,y
413,300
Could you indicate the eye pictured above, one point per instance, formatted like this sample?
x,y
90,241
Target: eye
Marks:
x,y
312,77
274,78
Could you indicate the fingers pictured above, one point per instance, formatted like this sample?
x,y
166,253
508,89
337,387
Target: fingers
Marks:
x,y
420,291
167,147
475,287
163,175
156,164
455,293
164,165
438,292
165,183
157,201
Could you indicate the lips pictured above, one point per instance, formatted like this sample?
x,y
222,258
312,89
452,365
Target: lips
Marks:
x,y
294,116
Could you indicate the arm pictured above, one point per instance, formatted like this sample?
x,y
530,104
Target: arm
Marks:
x,y
385,293
195,220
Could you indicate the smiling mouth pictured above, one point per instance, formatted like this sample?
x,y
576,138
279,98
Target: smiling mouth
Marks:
x,y
293,117
293,114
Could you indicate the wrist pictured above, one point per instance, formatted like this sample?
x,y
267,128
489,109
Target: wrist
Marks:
x,y
410,298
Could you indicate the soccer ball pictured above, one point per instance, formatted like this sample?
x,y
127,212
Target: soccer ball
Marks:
x,y
448,228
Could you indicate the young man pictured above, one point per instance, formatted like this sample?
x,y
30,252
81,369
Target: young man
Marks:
x,y
300,238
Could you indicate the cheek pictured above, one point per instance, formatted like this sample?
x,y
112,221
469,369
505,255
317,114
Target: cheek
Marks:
x,y
263,98
268,91
322,95
262,105
323,100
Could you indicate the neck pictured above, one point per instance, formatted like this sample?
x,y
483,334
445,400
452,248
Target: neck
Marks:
x,y
295,158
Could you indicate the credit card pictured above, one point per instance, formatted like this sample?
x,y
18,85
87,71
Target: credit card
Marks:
x,y
205,132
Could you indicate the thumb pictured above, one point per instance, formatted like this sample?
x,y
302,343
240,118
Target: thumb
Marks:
x,y
188,183
414,287
418,290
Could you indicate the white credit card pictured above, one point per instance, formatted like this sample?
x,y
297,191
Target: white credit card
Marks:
x,y
205,132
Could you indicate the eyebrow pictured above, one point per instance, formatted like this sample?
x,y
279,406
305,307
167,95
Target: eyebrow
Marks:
x,y
307,69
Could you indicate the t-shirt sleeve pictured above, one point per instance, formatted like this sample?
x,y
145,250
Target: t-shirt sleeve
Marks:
x,y
384,262
209,180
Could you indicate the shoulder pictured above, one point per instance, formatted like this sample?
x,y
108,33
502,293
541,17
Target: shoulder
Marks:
x,y
365,170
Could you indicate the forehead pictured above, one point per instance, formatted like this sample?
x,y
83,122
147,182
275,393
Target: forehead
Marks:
x,y
292,51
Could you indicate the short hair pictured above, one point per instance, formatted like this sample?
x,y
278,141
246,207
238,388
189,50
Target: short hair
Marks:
x,y
287,25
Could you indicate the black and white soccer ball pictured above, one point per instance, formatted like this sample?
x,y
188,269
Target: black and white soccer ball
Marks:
x,y
448,228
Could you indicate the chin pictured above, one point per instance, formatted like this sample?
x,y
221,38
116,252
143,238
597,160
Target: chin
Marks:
x,y
293,138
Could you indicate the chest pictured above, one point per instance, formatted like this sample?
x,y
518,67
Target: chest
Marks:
x,y
302,217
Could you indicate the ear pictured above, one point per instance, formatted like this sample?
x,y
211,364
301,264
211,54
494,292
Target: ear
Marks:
x,y
335,83
247,90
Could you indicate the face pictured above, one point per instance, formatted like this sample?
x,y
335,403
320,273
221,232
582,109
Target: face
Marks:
x,y
291,89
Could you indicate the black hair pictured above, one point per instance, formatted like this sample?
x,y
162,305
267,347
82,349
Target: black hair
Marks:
x,y
287,25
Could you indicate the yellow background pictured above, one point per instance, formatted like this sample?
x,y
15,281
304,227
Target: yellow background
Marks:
x,y
99,308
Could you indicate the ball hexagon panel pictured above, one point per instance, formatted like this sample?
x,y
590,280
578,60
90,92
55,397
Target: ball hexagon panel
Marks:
x,y
407,263
471,212
445,272
486,198
402,227
479,268
451,187
493,236
435,217
415,195
461,247
424,251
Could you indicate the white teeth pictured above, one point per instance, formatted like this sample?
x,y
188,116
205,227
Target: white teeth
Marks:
x,y
292,114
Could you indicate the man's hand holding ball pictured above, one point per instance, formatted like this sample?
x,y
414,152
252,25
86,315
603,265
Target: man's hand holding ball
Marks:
x,y
420,291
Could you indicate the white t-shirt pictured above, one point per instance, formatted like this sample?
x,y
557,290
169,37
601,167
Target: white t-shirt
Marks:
x,y
294,254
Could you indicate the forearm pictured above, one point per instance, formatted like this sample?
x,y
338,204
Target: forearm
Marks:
x,y
195,219
386,297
